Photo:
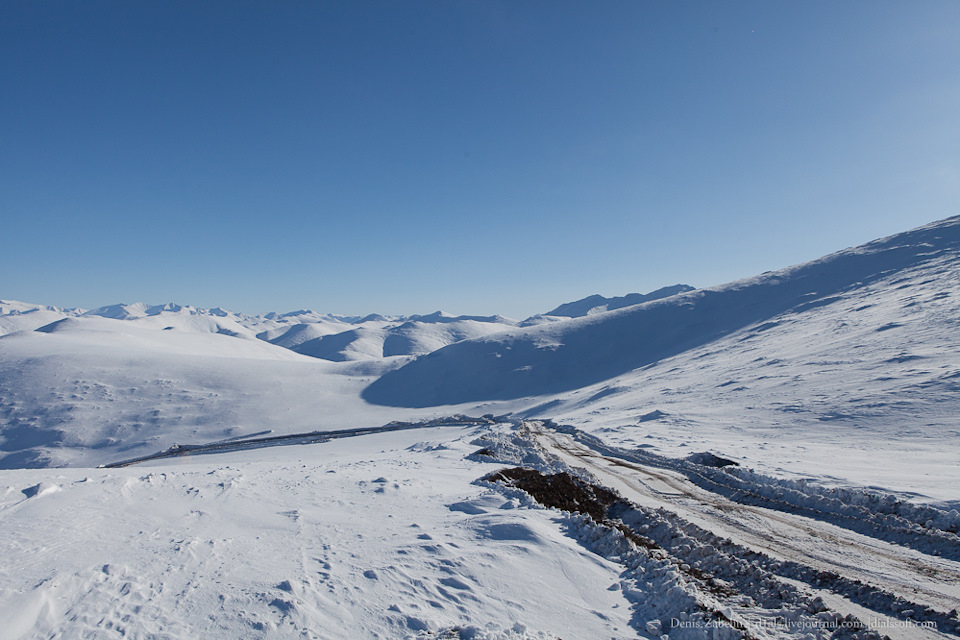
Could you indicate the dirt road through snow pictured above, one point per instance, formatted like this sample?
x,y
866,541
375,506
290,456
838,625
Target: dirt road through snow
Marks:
x,y
915,576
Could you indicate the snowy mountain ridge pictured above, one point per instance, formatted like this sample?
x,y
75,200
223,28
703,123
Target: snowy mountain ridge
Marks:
x,y
327,336
812,358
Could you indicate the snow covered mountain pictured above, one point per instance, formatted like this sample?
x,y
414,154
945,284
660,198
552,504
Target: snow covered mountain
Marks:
x,y
565,356
85,390
307,486
809,358
82,388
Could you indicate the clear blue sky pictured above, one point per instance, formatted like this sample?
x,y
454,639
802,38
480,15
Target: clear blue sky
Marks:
x,y
477,157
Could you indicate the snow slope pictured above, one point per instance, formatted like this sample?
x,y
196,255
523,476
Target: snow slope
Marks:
x,y
863,389
840,369
843,369
564,356
128,379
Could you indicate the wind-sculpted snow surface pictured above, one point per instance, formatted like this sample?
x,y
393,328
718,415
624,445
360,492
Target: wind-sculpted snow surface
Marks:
x,y
564,356
379,536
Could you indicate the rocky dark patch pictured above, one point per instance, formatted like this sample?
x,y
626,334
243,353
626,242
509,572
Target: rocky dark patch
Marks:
x,y
560,490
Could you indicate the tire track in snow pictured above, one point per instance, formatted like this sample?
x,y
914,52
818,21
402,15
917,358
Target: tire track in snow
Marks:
x,y
735,515
803,543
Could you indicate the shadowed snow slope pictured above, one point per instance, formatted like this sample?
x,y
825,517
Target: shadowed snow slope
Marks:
x,y
563,356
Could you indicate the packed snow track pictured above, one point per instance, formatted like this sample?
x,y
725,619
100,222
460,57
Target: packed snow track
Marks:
x,y
854,573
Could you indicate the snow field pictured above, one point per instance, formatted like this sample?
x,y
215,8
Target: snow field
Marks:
x,y
381,537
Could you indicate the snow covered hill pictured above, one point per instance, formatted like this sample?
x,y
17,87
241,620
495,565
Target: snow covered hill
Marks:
x,y
854,352
22,316
379,337
857,387
844,368
86,390
564,356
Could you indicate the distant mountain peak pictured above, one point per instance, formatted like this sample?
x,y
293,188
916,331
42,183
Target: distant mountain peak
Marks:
x,y
16,307
119,311
171,307
123,311
373,317
597,303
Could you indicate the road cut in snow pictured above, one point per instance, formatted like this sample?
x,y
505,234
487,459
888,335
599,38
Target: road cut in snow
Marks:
x,y
913,576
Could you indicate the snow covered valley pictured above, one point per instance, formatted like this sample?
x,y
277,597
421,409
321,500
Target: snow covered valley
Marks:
x,y
773,458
